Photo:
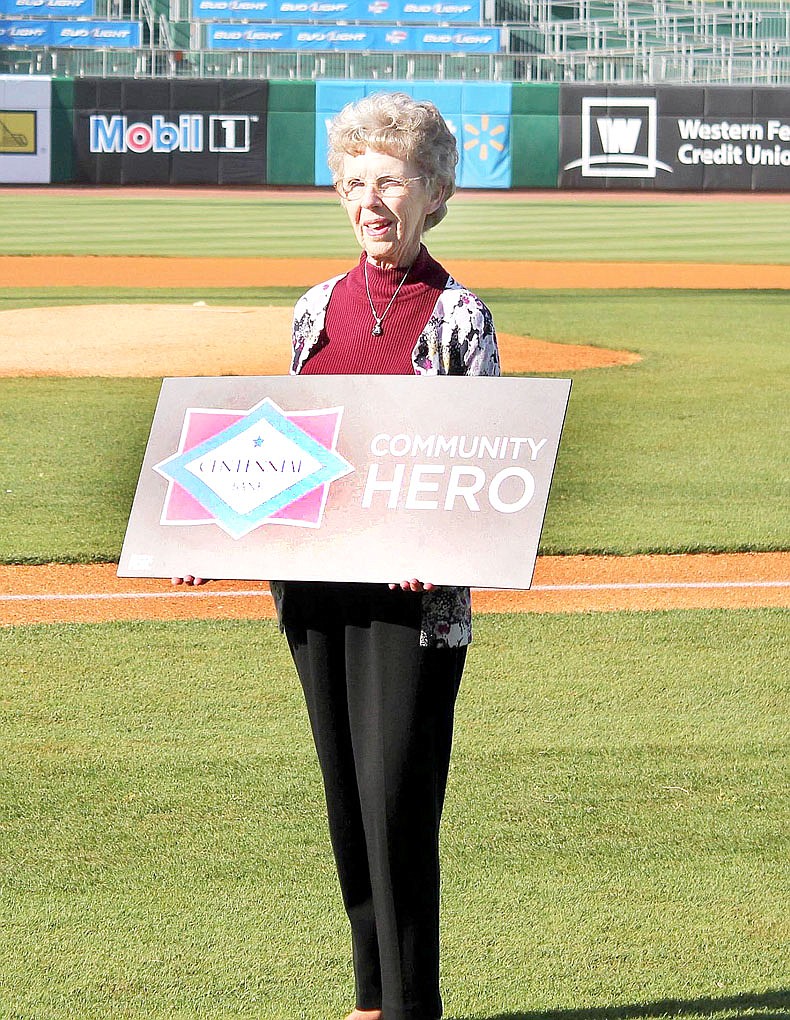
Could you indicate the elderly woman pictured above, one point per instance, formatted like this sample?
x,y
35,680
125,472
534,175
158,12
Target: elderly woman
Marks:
x,y
381,664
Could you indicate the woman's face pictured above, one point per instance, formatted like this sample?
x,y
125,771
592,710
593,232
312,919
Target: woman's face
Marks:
x,y
388,228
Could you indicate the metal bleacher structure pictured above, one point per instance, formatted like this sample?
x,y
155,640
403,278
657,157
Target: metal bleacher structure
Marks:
x,y
625,41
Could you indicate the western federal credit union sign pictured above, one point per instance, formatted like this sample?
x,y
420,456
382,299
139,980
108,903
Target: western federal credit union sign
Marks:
x,y
347,478
674,137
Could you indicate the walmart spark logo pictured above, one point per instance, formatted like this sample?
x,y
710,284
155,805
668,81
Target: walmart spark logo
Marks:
x,y
485,133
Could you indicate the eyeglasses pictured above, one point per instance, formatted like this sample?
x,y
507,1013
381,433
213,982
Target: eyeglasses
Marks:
x,y
353,188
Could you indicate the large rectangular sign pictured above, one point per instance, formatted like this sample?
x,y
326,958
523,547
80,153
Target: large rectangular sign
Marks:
x,y
370,38
170,132
463,12
674,137
347,478
25,131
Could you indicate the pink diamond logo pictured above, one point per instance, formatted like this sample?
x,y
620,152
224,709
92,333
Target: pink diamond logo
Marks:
x,y
241,470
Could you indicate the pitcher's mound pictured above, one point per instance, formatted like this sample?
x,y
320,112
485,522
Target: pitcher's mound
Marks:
x,y
155,340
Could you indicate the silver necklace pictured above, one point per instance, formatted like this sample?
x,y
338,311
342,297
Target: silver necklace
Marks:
x,y
378,329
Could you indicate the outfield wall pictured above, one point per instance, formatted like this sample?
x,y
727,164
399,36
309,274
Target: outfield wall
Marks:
x,y
511,135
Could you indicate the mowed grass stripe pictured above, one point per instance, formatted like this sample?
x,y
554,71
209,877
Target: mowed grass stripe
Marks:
x,y
613,832
475,229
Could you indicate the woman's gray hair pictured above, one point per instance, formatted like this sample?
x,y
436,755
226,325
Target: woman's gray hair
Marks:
x,y
409,129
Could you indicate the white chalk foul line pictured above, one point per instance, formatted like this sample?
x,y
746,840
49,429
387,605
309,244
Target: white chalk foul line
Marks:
x,y
105,596
613,586
648,585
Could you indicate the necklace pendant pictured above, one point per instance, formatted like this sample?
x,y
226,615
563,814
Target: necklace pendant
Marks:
x,y
377,330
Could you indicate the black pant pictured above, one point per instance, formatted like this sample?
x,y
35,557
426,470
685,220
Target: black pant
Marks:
x,y
381,711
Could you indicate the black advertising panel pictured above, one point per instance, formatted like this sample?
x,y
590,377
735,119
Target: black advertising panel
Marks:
x,y
129,131
713,138
608,137
772,108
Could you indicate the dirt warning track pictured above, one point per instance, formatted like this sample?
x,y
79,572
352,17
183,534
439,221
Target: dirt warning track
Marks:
x,y
164,273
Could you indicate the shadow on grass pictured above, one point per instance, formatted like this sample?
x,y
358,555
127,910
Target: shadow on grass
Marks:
x,y
770,1005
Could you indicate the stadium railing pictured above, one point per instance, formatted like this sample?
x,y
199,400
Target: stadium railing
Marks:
x,y
687,41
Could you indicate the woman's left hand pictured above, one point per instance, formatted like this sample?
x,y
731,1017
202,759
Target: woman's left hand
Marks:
x,y
414,585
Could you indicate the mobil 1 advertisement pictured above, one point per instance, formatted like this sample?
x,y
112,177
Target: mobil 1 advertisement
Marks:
x,y
129,131
675,137
347,478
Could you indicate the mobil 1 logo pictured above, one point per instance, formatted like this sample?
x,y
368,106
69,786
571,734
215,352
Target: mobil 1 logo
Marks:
x,y
229,132
175,132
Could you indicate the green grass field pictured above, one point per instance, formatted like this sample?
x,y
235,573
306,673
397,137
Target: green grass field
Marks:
x,y
109,224
680,452
615,835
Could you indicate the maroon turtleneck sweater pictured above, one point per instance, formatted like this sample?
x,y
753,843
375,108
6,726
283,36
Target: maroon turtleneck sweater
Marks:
x,y
346,346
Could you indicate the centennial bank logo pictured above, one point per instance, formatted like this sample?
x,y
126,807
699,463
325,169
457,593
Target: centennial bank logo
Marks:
x,y
192,132
619,138
243,470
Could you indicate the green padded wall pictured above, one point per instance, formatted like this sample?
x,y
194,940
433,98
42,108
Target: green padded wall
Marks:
x,y
290,154
62,117
535,135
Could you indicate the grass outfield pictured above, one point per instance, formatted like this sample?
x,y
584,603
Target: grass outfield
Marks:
x,y
613,839
615,834
680,452
111,224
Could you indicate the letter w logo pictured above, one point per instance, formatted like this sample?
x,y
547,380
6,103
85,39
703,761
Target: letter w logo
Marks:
x,y
619,134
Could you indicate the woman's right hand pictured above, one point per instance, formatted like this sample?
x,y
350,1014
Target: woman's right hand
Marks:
x,y
190,580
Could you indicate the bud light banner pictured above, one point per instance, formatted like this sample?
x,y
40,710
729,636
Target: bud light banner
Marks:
x,y
406,11
464,12
47,8
343,38
291,37
342,478
170,132
441,40
21,33
672,137
64,34
249,37
96,34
